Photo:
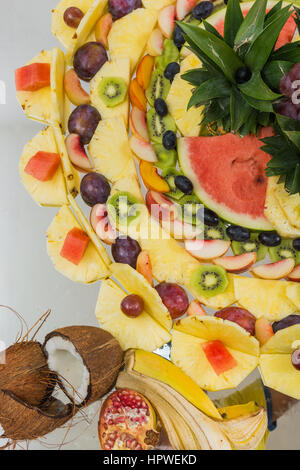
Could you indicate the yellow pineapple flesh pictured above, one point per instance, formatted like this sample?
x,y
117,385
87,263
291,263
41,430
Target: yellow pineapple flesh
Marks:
x,y
293,293
289,203
119,68
71,175
142,332
129,35
91,268
46,193
57,88
157,4
179,95
282,342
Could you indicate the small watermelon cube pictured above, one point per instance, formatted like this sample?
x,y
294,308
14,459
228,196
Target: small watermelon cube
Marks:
x,y
218,356
32,77
74,246
43,165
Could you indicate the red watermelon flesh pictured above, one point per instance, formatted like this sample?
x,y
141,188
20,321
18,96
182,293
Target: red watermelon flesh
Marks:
x,y
228,173
218,356
74,246
43,165
32,77
286,35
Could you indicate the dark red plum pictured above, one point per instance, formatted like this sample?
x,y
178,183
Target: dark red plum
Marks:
x,y
240,316
174,298
84,121
290,320
89,59
119,8
126,250
94,189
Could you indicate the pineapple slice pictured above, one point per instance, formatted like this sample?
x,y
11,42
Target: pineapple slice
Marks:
x,y
45,193
46,105
187,352
275,362
135,283
293,293
263,298
129,183
71,175
63,33
275,214
142,332
289,203
91,268
157,4
109,148
116,68
129,35
178,98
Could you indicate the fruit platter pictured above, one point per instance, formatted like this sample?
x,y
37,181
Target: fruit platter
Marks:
x,y
169,145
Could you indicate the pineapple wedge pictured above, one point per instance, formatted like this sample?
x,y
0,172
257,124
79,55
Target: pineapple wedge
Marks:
x,y
178,98
135,283
60,30
142,332
90,269
187,352
275,362
109,148
116,68
157,4
293,293
129,183
71,175
275,214
129,35
46,105
289,203
264,298
45,193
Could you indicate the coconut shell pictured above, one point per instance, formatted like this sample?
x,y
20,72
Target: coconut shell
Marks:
x,y
21,421
101,354
26,374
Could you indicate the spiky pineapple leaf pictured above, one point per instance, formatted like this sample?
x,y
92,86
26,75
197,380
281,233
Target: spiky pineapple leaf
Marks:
x,y
273,10
258,89
233,20
240,110
197,76
290,52
274,71
259,105
214,88
211,29
252,25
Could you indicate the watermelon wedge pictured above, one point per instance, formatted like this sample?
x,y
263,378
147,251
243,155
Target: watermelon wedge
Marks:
x,y
228,174
43,165
74,246
218,356
32,77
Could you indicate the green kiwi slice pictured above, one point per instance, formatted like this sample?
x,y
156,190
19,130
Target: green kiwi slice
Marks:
x,y
166,158
158,87
112,91
209,280
249,246
158,125
283,251
169,175
191,212
170,54
123,208
215,233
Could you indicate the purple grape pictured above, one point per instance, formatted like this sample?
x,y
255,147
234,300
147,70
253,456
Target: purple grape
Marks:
x,y
174,298
296,359
73,16
126,250
290,320
94,189
84,121
285,85
119,8
132,305
89,59
288,109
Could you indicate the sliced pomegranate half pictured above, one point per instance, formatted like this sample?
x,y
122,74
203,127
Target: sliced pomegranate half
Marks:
x,y
127,422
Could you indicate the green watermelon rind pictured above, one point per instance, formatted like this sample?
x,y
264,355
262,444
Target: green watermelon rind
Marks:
x,y
259,223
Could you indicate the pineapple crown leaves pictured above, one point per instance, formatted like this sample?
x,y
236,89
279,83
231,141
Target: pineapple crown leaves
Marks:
x,y
248,47
284,147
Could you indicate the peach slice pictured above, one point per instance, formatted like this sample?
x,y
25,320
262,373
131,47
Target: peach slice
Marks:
x,y
144,71
263,330
138,124
142,149
77,153
183,7
160,207
103,28
166,20
144,267
151,178
275,270
236,264
74,91
195,308
137,95
207,249
295,274
181,231
155,45
101,225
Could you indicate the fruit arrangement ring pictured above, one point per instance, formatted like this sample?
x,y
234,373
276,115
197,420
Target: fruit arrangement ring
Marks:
x,y
201,95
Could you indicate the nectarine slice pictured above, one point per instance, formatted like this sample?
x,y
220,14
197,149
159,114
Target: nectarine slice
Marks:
x,y
152,179
166,20
77,153
276,270
183,7
144,267
236,264
263,330
295,274
160,207
138,124
103,28
76,94
195,308
144,71
207,249
142,149
155,45
101,224
137,95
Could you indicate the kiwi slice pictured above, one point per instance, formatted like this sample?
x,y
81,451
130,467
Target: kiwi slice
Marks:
x,y
215,233
191,212
158,87
170,54
158,125
283,251
249,246
209,280
166,158
169,175
123,208
112,91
